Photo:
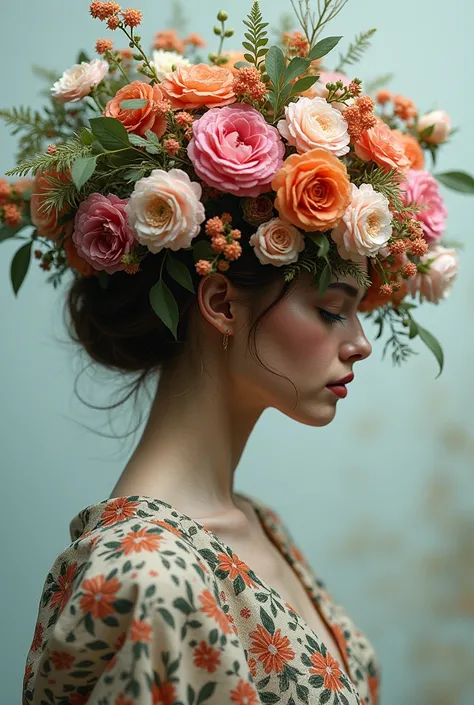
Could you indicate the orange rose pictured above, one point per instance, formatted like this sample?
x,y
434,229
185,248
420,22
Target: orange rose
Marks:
x,y
382,146
413,150
73,258
140,120
46,221
233,57
313,190
194,86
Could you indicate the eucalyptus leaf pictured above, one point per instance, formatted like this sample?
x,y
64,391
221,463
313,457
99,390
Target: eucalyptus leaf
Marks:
x,y
427,132
133,103
275,65
413,330
19,266
303,84
457,181
323,47
431,342
179,272
165,306
324,279
296,68
82,170
86,136
110,132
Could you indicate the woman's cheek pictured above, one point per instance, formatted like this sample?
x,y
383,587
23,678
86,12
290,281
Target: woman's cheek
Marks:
x,y
297,331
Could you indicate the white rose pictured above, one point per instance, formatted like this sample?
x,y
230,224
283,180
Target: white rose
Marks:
x,y
366,226
77,82
436,284
165,211
311,123
442,126
277,242
165,62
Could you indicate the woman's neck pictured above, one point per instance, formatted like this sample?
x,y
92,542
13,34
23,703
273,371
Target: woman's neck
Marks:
x,y
196,432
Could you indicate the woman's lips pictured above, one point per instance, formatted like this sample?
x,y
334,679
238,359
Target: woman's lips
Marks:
x,y
340,390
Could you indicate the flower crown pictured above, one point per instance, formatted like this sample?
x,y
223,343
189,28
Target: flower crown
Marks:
x,y
139,155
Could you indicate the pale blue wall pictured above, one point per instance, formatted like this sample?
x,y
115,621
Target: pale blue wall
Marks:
x,y
381,501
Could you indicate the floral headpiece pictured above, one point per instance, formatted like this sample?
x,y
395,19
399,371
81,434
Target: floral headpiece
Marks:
x,y
141,155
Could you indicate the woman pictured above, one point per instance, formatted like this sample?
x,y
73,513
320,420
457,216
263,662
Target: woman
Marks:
x,y
223,231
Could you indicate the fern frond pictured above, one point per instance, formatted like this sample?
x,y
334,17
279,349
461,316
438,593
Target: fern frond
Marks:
x,y
59,195
46,74
385,182
66,153
380,82
355,50
24,119
310,261
257,37
346,268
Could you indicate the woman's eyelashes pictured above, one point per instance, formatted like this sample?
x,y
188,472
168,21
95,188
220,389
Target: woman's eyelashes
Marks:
x,y
329,317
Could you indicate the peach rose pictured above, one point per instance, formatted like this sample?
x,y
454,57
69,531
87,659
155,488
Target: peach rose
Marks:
x,y
78,81
46,221
198,85
313,190
382,146
312,122
413,150
140,120
277,243
441,123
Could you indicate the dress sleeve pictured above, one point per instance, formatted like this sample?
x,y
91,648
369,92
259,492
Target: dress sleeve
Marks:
x,y
151,633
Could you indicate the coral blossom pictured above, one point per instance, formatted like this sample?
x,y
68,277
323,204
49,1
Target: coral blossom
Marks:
x,y
382,146
313,190
422,188
235,150
413,150
139,120
199,85
168,39
101,232
46,220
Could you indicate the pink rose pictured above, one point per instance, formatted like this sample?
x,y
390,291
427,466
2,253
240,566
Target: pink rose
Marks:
x,y
101,232
441,123
235,150
436,284
77,82
277,242
422,188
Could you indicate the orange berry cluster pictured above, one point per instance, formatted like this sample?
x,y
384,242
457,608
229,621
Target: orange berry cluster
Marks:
x,y
111,11
360,116
248,82
224,242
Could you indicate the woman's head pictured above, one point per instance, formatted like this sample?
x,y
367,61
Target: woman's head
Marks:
x,y
286,342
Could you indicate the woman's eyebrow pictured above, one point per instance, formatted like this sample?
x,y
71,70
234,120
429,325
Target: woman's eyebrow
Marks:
x,y
347,288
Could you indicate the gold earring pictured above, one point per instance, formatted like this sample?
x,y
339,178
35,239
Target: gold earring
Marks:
x,y
225,339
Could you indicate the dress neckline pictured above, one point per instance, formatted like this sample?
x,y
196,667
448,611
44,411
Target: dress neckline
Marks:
x,y
271,524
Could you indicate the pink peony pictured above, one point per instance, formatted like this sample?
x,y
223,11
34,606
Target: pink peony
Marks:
x,y
436,284
235,150
422,188
101,232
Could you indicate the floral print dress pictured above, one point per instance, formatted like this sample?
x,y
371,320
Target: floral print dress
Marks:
x,y
148,606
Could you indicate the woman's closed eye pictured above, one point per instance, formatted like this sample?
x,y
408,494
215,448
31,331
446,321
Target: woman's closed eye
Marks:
x,y
331,318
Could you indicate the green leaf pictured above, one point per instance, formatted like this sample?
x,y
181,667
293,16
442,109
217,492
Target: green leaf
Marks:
x,y
321,241
303,84
133,104
165,306
295,68
323,47
7,231
427,132
275,65
82,56
241,64
86,136
179,272
82,170
457,181
19,266
138,141
324,279
110,132
431,342
413,330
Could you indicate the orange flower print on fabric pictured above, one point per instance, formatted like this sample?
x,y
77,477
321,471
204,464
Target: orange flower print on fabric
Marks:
x,y
168,527
64,588
141,540
37,638
123,700
206,657
118,510
140,631
212,609
164,695
272,650
244,694
99,596
235,567
62,660
252,664
374,685
328,668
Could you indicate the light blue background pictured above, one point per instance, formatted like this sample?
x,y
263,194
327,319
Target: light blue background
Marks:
x,y
382,500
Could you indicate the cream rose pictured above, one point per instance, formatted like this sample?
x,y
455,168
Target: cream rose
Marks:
x,y
312,122
77,82
436,284
442,126
165,62
164,210
366,225
277,242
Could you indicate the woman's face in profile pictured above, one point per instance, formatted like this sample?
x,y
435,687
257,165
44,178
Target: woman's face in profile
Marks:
x,y
310,339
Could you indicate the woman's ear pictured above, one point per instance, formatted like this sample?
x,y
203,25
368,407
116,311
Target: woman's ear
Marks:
x,y
216,302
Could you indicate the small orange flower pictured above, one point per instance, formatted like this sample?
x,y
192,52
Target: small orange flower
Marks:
x,y
206,657
244,694
103,45
313,190
404,108
233,251
141,540
11,214
214,226
223,266
198,85
63,587
195,40
139,120
166,695
168,40
273,650
327,667
419,247
203,267
140,631
37,638
383,96
118,510
131,17
61,660
235,567
212,609
99,596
